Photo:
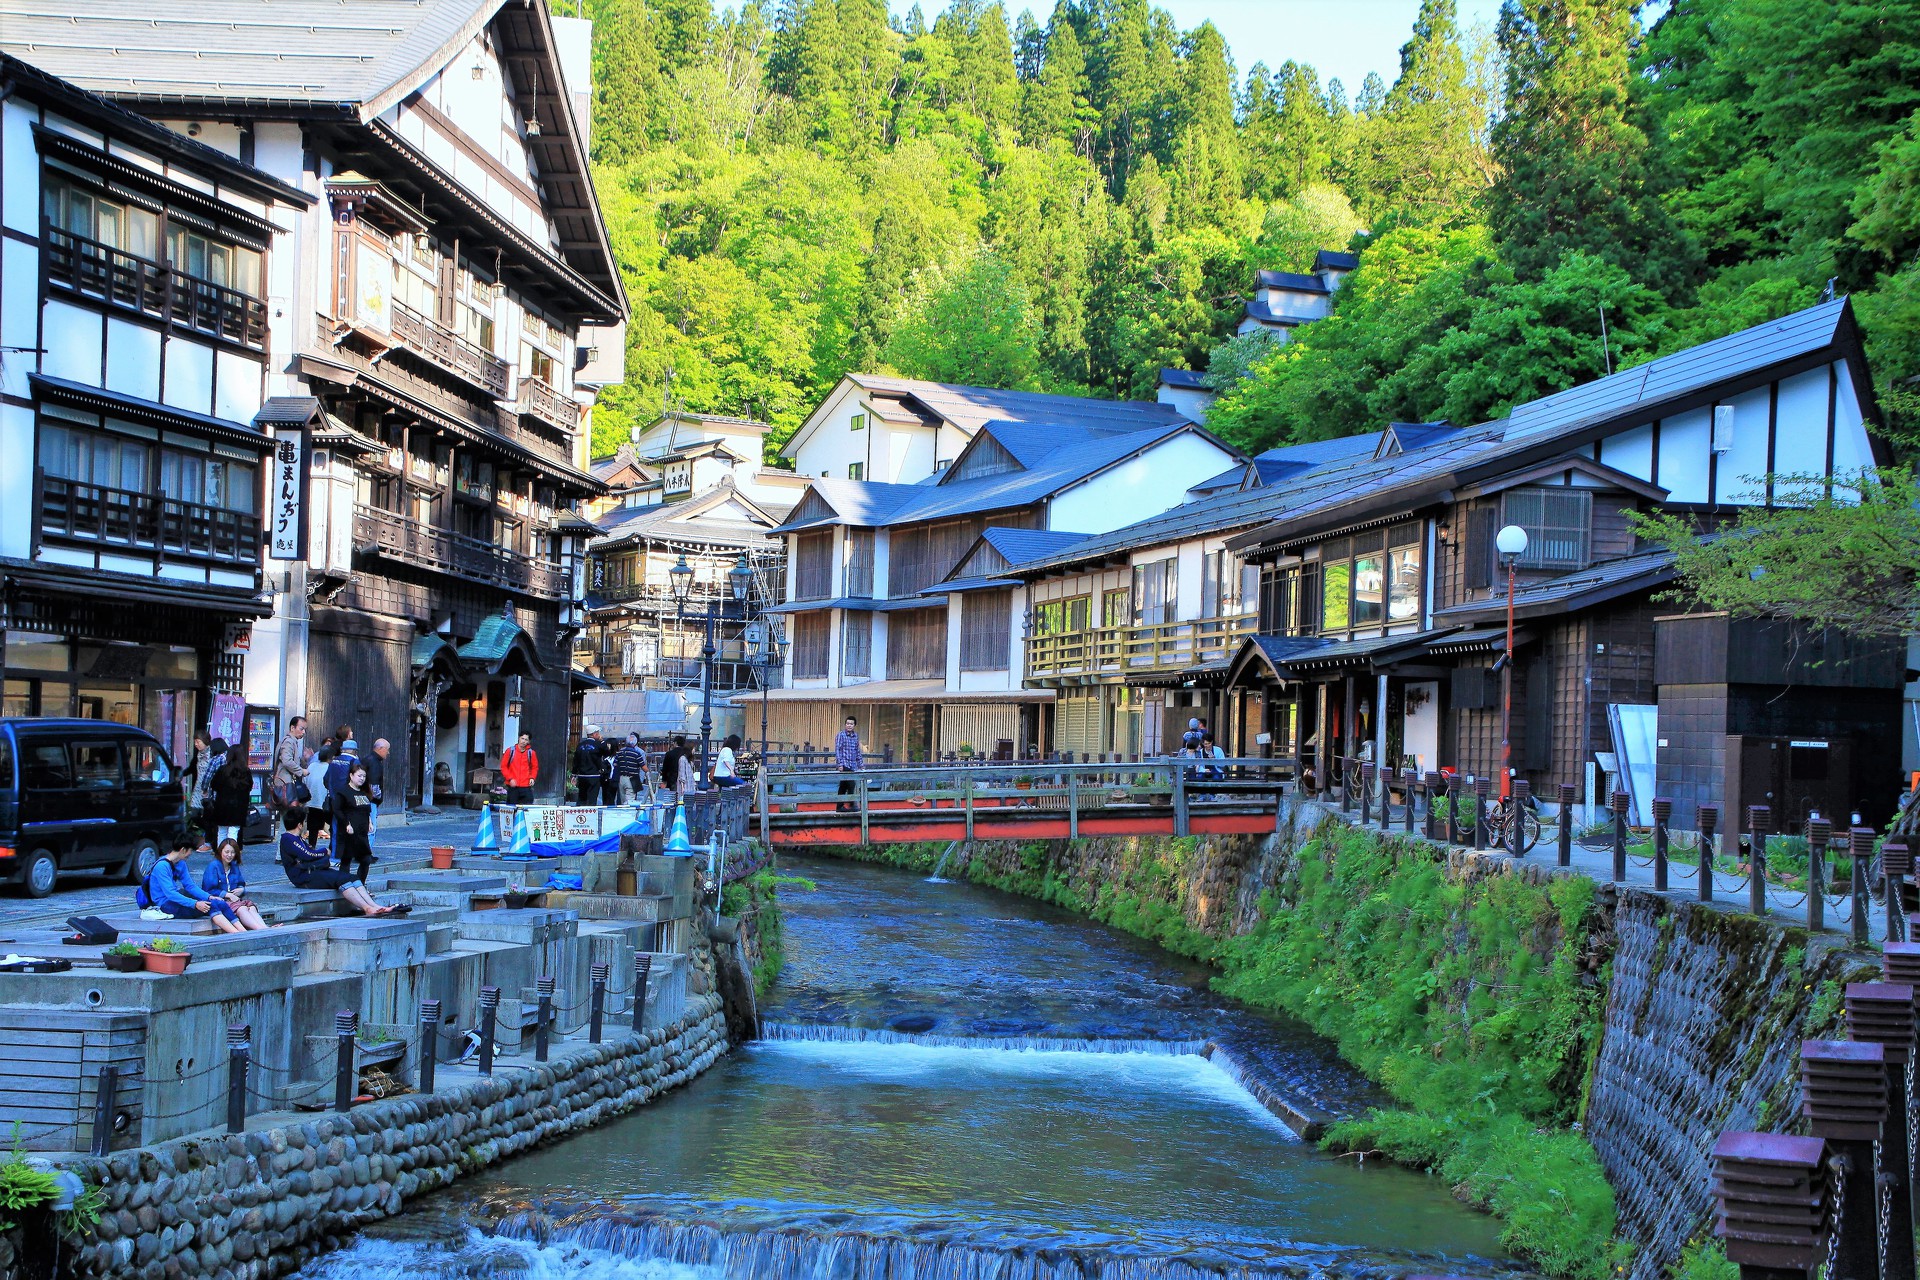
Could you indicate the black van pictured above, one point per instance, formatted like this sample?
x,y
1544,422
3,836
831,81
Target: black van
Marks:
x,y
83,794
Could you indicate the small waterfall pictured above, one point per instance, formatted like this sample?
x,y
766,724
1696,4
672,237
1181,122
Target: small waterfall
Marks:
x,y
937,1250
818,1033
938,867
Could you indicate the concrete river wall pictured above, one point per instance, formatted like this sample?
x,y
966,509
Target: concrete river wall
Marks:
x,y
1675,1019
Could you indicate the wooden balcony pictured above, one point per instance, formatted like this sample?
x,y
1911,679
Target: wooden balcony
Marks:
x,y
541,402
145,525
407,540
155,289
450,352
1143,650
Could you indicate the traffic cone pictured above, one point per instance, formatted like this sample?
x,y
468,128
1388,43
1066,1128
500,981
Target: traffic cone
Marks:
x,y
521,846
487,838
677,841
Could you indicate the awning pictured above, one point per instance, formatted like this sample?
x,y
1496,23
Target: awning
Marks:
x,y
968,584
496,640
1373,653
435,649
896,691
581,680
95,585
121,405
858,604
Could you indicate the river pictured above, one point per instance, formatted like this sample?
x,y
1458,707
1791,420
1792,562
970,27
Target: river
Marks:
x,y
958,1084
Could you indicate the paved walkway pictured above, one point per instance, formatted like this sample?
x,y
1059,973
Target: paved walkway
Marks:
x,y
399,845
1730,892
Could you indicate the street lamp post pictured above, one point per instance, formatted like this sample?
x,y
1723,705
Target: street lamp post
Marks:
x,y
1512,544
739,582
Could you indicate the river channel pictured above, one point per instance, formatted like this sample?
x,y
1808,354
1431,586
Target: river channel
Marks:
x,y
957,1084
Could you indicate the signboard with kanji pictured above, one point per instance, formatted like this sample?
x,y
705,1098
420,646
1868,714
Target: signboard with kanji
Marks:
x,y
287,496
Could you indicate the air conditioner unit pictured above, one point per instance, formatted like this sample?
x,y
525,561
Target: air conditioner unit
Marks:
x,y
1722,428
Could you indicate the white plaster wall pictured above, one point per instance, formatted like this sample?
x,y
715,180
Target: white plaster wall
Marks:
x,y
16,481
19,313
1139,487
1630,451
1851,449
133,359
72,338
1194,404
1684,444
1801,434
1739,478
189,375
19,168
237,391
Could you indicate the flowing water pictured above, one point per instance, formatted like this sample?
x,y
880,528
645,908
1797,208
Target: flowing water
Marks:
x,y
957,1085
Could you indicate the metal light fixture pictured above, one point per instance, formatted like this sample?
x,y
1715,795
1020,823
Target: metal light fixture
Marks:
x,y
1511,542
740,577
681,578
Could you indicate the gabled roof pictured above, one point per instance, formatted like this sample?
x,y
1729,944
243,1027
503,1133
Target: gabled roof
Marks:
x,y
970,408
1333,260
1401,436
1642,390
1186,379
699,519
1318,452
831,500
1016,545
496,639
1291,281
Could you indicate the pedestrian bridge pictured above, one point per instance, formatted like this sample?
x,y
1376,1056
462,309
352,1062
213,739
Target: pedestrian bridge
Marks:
x,y
1028,800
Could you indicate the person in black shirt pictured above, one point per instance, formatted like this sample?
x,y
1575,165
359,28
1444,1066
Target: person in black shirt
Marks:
x,y
589,766
353,824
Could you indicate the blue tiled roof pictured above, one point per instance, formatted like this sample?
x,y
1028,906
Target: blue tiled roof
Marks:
x,y
1186,378
1024,544
1290,280
1332,260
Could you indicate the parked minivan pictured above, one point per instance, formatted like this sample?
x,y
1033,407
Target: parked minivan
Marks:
x,y
82,794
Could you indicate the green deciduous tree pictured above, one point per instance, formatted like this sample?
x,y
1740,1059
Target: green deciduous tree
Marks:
x,y
971,324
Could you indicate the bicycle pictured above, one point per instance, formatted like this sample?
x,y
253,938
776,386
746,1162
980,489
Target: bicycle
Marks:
x,y
1500,819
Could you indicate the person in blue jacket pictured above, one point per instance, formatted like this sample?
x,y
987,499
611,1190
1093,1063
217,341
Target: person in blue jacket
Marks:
x,y
169,888
311,868
226,880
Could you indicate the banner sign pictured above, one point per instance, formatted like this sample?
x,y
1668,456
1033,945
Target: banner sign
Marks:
x,y
287,496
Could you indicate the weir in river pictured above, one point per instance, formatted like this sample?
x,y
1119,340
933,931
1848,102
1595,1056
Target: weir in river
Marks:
x,y
958,1083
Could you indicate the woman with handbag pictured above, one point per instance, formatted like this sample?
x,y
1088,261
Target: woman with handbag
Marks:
x,y
230,797
288,779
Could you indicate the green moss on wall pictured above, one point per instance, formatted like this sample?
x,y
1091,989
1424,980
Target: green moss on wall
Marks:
x,y
755,902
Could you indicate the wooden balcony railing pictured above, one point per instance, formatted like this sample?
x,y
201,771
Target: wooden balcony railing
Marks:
x,y
450,351
444,550
1165,646
140,284
538,400
146,525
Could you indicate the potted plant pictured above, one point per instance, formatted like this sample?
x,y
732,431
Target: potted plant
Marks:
x,y
379,1046
966,751
165,956
516,895
442,856
123,957
1024,782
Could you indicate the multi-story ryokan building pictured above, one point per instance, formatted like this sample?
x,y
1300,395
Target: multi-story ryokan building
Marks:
x,y
439,313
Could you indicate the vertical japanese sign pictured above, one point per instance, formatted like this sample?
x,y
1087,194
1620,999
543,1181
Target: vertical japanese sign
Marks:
x,y
287,497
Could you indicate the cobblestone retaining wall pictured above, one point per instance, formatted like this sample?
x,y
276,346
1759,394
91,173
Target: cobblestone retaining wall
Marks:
x,y
1704,1020
256,1205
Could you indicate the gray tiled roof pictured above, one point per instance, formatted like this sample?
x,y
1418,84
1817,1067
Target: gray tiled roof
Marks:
x,y
321,51
1680,373
971,408
1291,280
1025,544
1575,590
1184,378
1257,310
1319,451
857,502
1333,260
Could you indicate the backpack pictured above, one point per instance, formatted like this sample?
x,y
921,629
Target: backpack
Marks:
x,y
141,898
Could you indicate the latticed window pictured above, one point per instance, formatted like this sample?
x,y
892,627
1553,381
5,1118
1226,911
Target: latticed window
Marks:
x,y
856,644
1558,524
984,628
810,639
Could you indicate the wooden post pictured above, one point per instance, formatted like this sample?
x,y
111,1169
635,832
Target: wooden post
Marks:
x,y
346,1027
429,1044
1412,779
1759,823
1563,834
1618,802
1662,811
1862,849
1819,835
1708,816
239,1049
967,796
1843,1092
866,813
1179,798
1073,805
766,805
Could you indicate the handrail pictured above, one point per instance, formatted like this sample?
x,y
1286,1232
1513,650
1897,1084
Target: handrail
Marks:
x,y
546,403
161,527
1148,647
144,285
450,351
456,553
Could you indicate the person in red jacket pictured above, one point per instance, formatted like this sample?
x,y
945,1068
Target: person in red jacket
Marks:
x,y
518,769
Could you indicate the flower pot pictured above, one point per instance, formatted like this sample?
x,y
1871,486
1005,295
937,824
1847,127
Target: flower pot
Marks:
x,y
515,901
442,856
170,963
123,963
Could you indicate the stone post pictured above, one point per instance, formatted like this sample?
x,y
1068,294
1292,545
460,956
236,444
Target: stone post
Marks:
x,y
642,966
239,1050
345,1026
429,1043
543,1019
1759,823
597,1014
1709,818
1882,1013
489,1011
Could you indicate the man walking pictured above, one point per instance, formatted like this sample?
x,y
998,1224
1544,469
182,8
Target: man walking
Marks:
x,y
846,758
629,770
519,768
589,766
289,766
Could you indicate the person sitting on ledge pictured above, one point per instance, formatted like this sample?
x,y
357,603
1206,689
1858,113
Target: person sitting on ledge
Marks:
x,y
310,868
169,888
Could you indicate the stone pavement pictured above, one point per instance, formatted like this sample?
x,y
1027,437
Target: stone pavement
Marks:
x,y
399,845
1729,891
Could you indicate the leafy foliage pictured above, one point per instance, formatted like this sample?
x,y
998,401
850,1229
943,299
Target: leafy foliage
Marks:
x,y
1845,554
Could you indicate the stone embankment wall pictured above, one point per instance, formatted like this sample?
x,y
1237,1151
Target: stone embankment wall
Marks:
x,y
258,1204
1698,1010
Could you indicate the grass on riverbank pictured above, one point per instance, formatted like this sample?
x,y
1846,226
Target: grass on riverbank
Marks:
x,y
755,902
1467,1001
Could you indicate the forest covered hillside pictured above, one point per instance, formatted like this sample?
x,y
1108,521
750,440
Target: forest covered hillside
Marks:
x,y
1071,200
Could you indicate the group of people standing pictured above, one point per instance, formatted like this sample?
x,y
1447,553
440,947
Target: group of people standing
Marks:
x,y
607,773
